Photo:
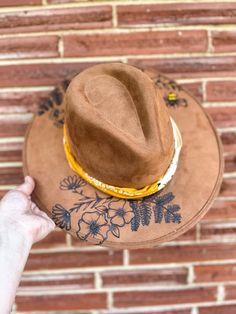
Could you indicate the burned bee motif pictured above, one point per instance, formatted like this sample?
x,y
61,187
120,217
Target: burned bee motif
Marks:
x,y
172,100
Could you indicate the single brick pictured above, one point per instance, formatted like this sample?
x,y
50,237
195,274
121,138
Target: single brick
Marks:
x,y
221,91
61,1
11,151
177,14
218,231
60,260
11,127
8,3
228,187
55,239
180,254
195,89
62,302
11,175
224,41
56,19
29,47
62,279
215,273
135,43
144,277
151,298
223,117
230,292
221,210
185,311
230,162
38,74
229,141
191,67
20,102
218,309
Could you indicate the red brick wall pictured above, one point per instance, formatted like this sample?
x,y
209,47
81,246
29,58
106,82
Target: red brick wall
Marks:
x,y
41,41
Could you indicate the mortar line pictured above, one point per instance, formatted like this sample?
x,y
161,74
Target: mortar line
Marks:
x,y
210,46
61,46
204,94
194,310
191,275
114,16
98,281
68,240
220,293
109,300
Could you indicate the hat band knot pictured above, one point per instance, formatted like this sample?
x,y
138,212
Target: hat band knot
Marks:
x,y
123,192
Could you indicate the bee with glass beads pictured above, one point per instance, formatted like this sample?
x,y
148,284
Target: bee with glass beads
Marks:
x,y
172,100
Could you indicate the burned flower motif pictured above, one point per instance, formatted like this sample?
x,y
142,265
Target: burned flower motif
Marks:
x,y
61,217
118,214
72,183
93,225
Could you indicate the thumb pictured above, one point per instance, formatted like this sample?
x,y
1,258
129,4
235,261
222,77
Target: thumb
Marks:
x,y
27,187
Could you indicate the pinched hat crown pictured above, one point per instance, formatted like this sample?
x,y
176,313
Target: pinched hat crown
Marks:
x,y
118,128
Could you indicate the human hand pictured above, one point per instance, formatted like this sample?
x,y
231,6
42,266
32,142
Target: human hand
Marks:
x,y
21,225
21,218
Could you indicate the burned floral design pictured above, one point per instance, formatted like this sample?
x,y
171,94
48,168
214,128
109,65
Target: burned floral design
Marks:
x,y
72,183
93,225
118,214
105,216
61,217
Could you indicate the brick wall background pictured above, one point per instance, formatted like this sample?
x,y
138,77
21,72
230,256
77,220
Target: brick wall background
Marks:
x,y
42,41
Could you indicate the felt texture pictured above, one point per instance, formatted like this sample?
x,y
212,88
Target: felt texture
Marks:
x,y
91,216
118,106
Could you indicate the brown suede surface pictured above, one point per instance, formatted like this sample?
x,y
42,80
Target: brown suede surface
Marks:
x,y
119,107
77,206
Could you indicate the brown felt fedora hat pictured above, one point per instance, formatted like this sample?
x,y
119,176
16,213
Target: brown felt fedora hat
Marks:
x,y
121,159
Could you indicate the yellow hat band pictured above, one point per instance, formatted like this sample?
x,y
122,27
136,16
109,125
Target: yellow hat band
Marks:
x,y
121,192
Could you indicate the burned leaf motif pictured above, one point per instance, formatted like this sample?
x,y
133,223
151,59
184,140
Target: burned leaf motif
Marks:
x,y
52,105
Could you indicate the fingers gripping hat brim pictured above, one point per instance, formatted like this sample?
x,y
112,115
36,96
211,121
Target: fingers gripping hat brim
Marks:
x,y
92,216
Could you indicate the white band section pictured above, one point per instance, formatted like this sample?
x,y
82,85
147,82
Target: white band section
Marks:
x,y
174,162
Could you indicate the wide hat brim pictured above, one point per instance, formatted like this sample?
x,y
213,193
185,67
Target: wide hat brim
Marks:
x,y
96,218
